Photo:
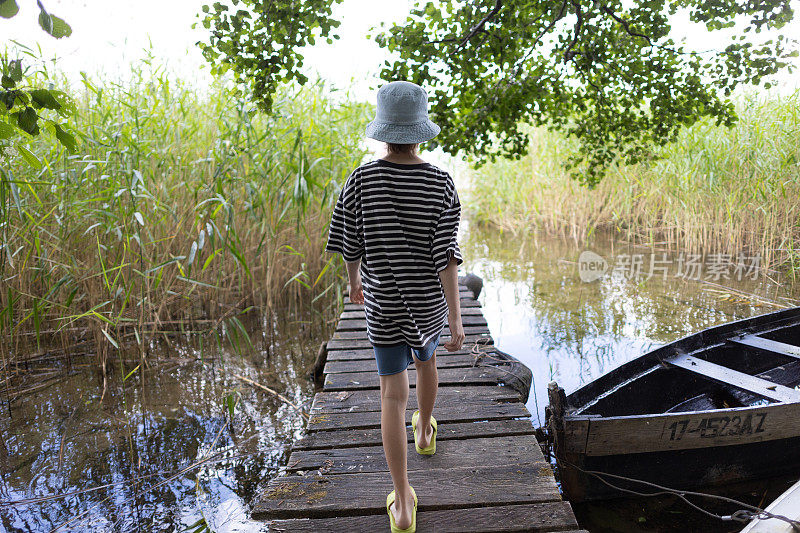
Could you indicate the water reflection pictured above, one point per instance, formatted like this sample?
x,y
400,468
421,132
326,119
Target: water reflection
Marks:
x,y
571,331
129,463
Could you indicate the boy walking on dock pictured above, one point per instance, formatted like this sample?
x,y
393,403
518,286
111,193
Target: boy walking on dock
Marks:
x,y
395,224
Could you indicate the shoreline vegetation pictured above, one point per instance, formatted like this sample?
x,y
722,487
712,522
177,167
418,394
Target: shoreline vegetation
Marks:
x,y
714,191
182,211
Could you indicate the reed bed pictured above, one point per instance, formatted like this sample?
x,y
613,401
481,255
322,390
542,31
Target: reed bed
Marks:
x,y
713,191
183,210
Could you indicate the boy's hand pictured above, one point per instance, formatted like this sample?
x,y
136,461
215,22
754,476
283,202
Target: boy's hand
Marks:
x,y
354,277
456,333
357,293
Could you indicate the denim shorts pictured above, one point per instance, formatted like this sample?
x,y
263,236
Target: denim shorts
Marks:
x,y
396,357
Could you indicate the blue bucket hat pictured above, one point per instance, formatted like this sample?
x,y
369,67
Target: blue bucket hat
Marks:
x,y
402,116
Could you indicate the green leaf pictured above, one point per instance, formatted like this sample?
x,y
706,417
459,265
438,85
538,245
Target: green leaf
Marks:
x,y
129,374
29,157
43,98
27,121
55,26
110,339
8,83
8,8
6,130
15,70
66,139
60,27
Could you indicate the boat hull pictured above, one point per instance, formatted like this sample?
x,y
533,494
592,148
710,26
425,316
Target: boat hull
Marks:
x,y
678,450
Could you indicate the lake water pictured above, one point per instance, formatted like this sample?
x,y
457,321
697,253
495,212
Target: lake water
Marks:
x,y
130,461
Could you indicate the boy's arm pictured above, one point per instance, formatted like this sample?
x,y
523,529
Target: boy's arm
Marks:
x,y
449,279
354,276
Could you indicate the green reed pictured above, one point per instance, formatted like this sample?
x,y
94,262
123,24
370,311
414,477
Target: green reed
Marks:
x,y
714,190
184,209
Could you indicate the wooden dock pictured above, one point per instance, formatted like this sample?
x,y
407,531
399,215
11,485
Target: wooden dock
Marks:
x,y
488,473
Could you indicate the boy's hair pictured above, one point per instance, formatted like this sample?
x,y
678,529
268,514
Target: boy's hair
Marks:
x,y
400,149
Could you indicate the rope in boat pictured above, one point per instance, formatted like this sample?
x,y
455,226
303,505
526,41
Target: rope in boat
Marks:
x,y
750,512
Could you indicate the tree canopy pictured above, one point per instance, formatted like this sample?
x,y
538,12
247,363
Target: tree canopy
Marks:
x,y
259,40
607,73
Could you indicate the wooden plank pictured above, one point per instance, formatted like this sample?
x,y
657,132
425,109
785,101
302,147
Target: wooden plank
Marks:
x,y
447,376
576,433
740,380
369,365
355,354
350,344
768,345
360,323
532,517
362,333
444,414
359,314
683,431
370,400
491,451
449,431
315,496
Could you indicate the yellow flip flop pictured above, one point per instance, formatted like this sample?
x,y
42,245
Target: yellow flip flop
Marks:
x,y
410,529
431,449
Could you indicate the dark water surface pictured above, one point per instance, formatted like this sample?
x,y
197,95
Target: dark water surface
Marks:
x,y
72,461
128,451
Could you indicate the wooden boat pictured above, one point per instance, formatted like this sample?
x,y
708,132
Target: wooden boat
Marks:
x,y
717,407
786,505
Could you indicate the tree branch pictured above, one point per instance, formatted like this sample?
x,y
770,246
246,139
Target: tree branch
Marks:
x,y
568,53
625,25
479,26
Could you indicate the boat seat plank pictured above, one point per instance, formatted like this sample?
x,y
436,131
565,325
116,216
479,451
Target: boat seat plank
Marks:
x,y
740,380
769,345
543,517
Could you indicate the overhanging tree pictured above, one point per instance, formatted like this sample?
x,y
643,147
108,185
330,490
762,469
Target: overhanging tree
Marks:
x,y
605,72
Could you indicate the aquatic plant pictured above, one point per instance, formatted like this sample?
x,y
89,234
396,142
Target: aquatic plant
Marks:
x,y
183,209
714,190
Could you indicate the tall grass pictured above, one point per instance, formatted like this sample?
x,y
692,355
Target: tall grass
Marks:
x,y
183,210
715,190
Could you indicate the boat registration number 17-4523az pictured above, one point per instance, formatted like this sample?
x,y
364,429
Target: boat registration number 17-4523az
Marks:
x,y
717,426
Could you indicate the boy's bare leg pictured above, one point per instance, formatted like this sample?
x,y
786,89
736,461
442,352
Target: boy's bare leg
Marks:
x,y
427,387
394,397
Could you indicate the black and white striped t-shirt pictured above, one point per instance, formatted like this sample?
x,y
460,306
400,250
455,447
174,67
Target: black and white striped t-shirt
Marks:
x,y
401,221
